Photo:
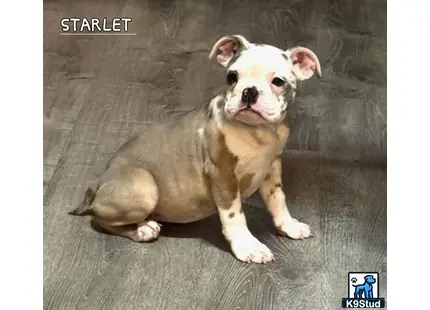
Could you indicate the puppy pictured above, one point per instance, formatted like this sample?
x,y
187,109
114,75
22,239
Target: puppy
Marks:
x,y
207,160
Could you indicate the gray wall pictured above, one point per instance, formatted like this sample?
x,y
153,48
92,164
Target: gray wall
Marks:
x,y
164,68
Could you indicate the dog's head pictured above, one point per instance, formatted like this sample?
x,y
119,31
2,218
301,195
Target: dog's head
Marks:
x,y
261,79
369,279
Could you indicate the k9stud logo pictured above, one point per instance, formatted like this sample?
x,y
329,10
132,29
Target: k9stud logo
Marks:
x,y
363,291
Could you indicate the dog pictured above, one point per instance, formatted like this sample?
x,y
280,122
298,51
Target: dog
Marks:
x,y
205,161
366,288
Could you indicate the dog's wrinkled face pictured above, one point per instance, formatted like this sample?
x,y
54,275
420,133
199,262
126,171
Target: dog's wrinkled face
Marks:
x,y
261,79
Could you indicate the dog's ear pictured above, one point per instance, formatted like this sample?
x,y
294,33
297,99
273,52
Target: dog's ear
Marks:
x,y
305,62
228,46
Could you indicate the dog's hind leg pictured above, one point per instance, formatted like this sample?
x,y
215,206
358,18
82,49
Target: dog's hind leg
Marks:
x,y
144,232
123,201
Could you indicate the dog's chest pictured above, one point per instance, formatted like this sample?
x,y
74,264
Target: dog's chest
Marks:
x,y
255,152
250,172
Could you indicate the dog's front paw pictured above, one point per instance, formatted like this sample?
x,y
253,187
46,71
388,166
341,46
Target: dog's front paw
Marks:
x,y
251,250
294,229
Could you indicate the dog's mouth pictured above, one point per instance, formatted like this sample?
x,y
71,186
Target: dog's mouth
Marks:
x,y
250,116
249,109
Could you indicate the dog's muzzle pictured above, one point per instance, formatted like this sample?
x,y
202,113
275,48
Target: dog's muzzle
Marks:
x,y
250,95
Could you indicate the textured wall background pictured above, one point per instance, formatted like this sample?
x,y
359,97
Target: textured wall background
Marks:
x,y
164,68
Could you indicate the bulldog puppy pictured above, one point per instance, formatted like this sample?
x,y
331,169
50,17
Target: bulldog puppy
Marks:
x,y
207,160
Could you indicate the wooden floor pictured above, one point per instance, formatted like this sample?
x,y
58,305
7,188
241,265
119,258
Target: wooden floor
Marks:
x,y
98,91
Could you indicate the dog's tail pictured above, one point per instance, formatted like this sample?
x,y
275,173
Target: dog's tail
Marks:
x,y
85,207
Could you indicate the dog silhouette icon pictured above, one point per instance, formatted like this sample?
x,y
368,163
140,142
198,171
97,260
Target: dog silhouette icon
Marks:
x,y
365,290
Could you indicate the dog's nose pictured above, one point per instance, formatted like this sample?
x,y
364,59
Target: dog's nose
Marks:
x,y
250,95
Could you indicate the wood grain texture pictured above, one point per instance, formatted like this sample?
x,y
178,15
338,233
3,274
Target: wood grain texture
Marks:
x,y
98,91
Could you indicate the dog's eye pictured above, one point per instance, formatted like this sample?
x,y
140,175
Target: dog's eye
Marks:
x,y
278,82
231,78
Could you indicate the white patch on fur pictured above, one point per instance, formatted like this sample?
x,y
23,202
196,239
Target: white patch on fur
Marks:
x,y
247,248
244,245
148,230
216,111
295,229
201,132
257,66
